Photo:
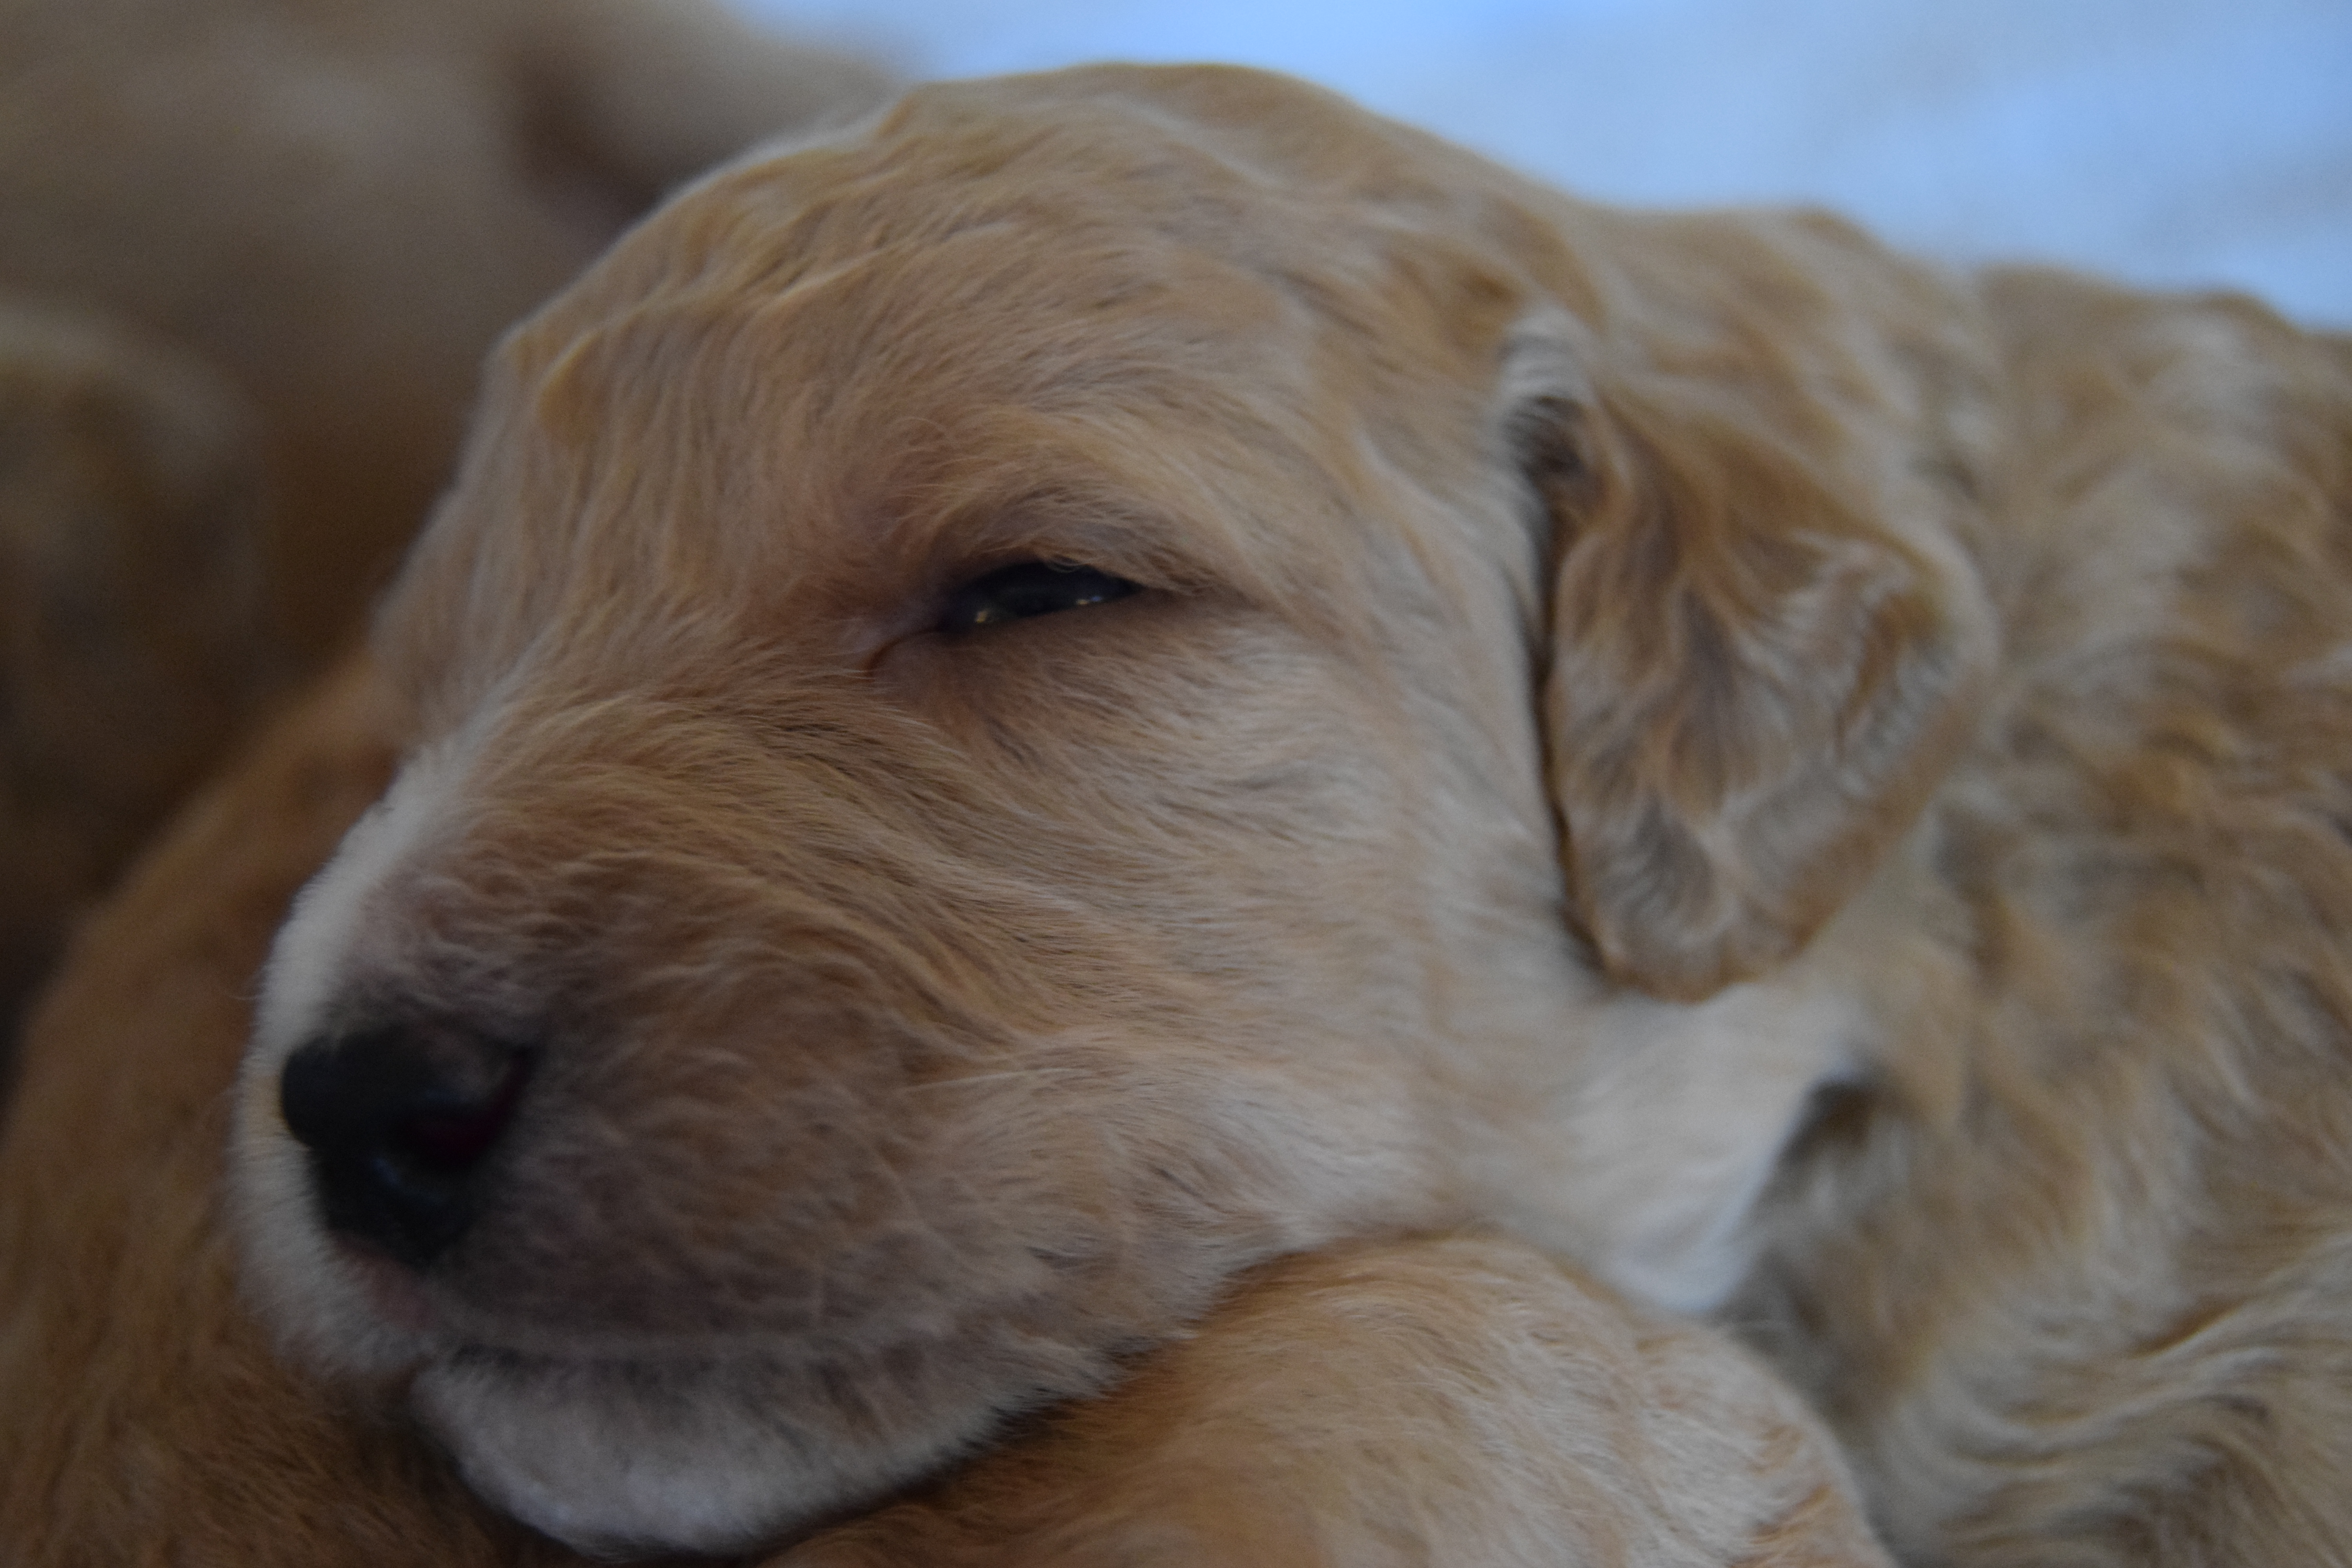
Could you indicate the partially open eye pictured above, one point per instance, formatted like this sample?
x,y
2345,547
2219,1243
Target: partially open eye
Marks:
x,y
1028,588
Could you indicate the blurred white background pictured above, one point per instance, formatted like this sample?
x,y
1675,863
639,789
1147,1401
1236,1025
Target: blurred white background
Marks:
x,y
2173,142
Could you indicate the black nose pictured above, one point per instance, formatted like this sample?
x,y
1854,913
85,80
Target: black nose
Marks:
x,y
399,1118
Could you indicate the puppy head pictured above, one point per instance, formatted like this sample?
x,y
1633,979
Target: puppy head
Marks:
x,y
979,767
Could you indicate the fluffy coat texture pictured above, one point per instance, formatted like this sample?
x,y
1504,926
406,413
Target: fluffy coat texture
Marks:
x,y
1812,785
254,253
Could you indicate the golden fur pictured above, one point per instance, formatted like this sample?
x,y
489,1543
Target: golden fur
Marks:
x,y
1813,786
251,253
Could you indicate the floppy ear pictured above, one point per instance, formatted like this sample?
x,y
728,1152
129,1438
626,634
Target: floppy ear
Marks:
x,y
1766,641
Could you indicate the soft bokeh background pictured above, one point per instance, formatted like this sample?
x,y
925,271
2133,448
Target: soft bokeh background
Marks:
x,y
2173,142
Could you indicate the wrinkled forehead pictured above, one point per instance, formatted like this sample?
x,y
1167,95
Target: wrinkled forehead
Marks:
x,y
1189,310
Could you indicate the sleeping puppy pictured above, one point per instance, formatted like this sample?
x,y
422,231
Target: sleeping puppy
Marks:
x,y
1121,675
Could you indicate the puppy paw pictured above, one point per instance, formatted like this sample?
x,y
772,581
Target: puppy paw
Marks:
x,y
1454,1402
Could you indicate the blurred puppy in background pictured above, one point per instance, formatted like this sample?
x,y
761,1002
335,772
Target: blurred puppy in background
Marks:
x,y
255,254
131,501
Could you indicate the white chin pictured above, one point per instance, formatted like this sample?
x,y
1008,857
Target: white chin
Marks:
x,y
618,1460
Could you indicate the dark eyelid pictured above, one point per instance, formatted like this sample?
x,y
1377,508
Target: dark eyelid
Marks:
x,y
1026,590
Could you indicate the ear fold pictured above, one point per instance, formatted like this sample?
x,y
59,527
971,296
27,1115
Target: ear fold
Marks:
x,y
1767,645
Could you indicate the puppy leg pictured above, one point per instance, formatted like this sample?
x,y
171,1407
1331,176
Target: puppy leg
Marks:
x,y
1459,1401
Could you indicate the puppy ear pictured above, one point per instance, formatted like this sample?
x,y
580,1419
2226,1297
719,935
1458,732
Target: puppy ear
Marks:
x,y
1766,642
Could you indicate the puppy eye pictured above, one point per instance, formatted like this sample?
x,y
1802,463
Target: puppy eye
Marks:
x,y
1028,588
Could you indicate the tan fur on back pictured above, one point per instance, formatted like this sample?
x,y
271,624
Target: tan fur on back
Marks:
x,y
1811,787
2076,1275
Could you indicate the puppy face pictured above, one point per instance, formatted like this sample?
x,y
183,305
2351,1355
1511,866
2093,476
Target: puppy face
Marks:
x,y
979,766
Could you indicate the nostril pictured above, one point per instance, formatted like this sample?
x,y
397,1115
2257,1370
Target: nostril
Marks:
x,y
453,1135
398,1119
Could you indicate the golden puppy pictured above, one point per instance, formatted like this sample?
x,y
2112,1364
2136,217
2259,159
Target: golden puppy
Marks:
x,y
1127,673
1122,675
975,773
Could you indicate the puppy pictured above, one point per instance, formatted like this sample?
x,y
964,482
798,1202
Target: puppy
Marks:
x,y
1122,675
337,207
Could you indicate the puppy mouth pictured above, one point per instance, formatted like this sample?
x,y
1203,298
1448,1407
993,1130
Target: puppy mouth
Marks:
x,y
638,1440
